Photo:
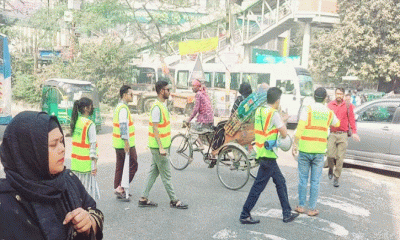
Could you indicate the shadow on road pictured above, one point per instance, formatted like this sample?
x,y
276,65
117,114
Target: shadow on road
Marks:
x,y
373,170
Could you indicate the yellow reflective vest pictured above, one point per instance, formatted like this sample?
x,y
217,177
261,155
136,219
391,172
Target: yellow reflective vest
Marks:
x,y
164,127
315,134
80,157
118,142
263,131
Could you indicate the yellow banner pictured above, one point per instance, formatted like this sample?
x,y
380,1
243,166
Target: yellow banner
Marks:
x,y
198,46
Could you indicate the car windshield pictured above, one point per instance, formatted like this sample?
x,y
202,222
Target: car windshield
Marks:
x,y
306,85
77,91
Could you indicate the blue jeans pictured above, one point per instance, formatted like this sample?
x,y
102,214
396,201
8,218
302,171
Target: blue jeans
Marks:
x,y
315,163
268,168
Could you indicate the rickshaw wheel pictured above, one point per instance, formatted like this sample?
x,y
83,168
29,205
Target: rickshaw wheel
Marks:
x,y
180,152
233,167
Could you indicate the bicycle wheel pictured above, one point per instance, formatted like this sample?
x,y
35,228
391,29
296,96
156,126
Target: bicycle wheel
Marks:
x,y
180,152
233,168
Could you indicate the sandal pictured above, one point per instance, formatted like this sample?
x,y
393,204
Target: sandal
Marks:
x,y
300,209
178,204
147,203
312,213
122,196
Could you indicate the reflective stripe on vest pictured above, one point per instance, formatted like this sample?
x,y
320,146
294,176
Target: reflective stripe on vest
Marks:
x,y
315,134
264,132
164,127
118,142
80,157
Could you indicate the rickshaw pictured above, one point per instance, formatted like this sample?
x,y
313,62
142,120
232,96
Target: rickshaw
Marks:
x,y
230,145
58,96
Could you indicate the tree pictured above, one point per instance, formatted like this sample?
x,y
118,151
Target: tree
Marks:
x,y
364,44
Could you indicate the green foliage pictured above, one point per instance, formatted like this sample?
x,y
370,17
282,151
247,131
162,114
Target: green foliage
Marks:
x,y
365,44
102,15
26,87
105,64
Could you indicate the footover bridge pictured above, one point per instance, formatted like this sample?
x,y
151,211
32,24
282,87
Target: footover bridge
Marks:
x,y
255,25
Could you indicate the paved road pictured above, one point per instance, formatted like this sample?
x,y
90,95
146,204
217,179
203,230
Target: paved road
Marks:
x,y
365,206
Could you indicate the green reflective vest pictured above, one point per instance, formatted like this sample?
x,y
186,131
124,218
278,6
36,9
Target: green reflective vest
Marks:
x,y
118,142
263,131
164,127
315,134
80,157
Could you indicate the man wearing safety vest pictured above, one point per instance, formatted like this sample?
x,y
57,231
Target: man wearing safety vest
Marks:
x,y
123,140
267,125
159,144
310,144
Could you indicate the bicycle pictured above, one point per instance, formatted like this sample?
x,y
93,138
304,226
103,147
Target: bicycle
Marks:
x,y
233,162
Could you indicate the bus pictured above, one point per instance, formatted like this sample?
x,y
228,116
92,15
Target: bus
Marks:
x,y
5,81
294,81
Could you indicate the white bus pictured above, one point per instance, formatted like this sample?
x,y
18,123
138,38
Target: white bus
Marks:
x,y
295,82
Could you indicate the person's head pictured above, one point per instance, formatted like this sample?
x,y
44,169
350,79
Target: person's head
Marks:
x,y
263,88
347,98
84,106
245,89
126,93
274,96
320,95
33,147
162,89
196,85
339,94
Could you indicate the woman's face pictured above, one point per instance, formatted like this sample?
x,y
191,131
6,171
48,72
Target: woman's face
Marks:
x,y
56,151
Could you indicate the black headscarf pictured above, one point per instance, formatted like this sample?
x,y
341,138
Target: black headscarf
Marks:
x,y
245,89
25,157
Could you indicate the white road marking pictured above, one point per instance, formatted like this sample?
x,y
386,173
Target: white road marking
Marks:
x,y
268,236
314,222
225,234
344,206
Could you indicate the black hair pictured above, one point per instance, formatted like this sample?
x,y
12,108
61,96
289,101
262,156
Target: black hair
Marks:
x,y
245,89
320,94
340,89
273,95
79,106
160,85
124,89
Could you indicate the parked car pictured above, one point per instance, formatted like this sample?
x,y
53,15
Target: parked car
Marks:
x,y
378,125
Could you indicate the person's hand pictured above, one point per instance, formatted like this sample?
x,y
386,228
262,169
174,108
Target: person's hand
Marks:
x,y
126,147
295,151
356,137
284,117
163,152
81,220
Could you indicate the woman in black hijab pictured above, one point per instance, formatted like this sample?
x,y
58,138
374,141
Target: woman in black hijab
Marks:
x,y
245,91
39,198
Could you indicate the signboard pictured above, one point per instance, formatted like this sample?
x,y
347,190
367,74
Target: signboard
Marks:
x,y
198,46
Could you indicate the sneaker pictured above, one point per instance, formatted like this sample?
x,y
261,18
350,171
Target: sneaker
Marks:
x,y
290,218
336,182
330,173
249,220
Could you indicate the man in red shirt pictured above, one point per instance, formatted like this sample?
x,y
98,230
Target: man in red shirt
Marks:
x,y
337,140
